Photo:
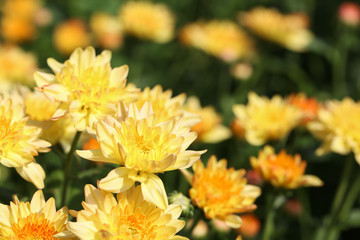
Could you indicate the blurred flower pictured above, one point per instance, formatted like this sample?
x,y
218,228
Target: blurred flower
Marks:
x,y
220,226
43,17
128,216
16,66
200,230
209,129
40,110
166,107
221,192
17,22
19,142
241,71
107,30
349,13
147,20
338,126
250,226
70,35
266,119
144,148
238,129
293,207
32,220
16,29
178,198
283,170
288,30
308,106
223,39
86,87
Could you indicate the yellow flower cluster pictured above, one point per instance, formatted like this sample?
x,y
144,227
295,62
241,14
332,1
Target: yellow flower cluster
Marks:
x,y
223,39
290,30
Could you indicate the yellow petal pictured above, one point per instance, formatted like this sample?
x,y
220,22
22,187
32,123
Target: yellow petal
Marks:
x,y
34,173
37,201
117,180
118,76
96,155
233,221
154,191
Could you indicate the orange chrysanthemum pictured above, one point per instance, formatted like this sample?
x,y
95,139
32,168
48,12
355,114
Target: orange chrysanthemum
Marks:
x,y
308,106
221,192
283,170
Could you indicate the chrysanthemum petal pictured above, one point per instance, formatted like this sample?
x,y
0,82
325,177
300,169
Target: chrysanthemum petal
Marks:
x,y
233,221
154,191
117,180
34,173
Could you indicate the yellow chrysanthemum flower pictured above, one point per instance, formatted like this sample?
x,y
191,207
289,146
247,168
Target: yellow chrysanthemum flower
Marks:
x,y
283,170
107,30
221,192
209,129
144,148
147,20
19,142
32,220
166,107
266,119
223,39
337,125
16,66
128,216
40,110
290,30
86,86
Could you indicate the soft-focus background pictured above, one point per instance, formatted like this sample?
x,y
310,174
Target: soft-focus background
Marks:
x,y
220,68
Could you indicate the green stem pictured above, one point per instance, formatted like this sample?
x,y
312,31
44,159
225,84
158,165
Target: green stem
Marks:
x,y
330,221
67,165
270,216
346,207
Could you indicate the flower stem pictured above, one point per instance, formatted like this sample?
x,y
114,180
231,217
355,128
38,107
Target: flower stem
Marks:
x,y
329,222
346,208
67,165
270,216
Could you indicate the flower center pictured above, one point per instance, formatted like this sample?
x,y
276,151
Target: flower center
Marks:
x,y
287,164
10,133
132,225
33,227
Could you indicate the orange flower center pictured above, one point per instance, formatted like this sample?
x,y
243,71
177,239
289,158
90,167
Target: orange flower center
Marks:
x,y
33,227
290,166
132,225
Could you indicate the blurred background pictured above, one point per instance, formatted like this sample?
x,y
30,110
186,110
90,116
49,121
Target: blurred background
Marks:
x,y
218,51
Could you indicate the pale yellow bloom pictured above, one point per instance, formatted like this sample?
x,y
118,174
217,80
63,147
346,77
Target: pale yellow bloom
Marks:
x,y
337,125
16,66
166,107
143,147
288,30
86,86
32,220
222,192
209,129
70,35
40,110
19,143
266,119
147,20
128,216
107,30
223,39
283,170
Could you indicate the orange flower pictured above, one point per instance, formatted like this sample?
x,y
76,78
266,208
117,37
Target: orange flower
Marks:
x,y
250,226
91,143
308,106
221,192
238,128
283,170
70,35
